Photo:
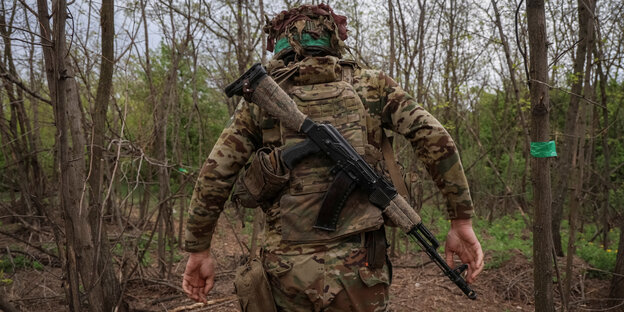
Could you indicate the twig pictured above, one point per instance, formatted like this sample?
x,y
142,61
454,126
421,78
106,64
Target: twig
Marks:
x,y
160,300
201,304
603,271
570,93
159,282
39,259
414,266
554,255
37,298
29,244
577,304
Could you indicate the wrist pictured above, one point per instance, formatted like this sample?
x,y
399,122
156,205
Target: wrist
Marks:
x,y
202,253
461,223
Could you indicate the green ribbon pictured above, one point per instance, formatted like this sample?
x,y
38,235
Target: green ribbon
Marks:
x,y
306,41
543,149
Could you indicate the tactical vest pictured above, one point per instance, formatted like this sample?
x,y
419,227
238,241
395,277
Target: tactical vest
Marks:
x,y
320,86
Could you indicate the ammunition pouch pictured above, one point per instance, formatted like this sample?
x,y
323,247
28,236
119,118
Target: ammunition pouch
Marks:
x,y
253,289
262,179
376,245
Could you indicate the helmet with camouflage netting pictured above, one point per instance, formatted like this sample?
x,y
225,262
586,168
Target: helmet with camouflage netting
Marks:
x,y
307,30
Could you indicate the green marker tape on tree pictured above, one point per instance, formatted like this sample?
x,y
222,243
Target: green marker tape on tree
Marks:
x,y
543,149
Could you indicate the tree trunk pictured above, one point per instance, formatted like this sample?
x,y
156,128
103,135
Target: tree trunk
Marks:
x,y
110,284
420,72
568,146
617,283
606,182
102,97
540,132
85,263
165,232
516,92
391,65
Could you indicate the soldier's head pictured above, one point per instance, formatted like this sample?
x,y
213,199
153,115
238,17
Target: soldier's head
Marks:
x,y
307,30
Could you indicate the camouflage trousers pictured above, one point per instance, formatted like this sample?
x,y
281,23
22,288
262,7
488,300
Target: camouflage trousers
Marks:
x,y
329,279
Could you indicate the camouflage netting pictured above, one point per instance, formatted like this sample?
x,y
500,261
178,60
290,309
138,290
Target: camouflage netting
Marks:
x,y
315,20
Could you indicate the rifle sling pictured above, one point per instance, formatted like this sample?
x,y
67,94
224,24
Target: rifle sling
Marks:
x,y
391,165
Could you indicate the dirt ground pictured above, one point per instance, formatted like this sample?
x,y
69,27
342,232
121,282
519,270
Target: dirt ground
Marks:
x,y
415,287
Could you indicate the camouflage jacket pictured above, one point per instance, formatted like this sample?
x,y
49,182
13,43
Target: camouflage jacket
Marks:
x,y
389,107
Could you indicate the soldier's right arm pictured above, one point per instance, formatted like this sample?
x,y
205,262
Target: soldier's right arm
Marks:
x,y
237,142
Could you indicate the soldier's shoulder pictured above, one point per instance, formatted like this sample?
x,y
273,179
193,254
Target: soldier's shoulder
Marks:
x,y
371,77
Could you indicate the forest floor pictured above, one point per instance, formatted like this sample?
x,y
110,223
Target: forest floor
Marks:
x,y
415,287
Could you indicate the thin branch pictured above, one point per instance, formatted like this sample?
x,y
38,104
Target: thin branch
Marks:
x,y
5,74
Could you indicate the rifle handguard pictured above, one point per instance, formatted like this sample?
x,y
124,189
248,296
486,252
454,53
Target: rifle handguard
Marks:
x,y
402,214
256,86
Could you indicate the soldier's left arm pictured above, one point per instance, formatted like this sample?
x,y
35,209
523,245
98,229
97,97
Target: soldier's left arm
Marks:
x,y
432,143
435,147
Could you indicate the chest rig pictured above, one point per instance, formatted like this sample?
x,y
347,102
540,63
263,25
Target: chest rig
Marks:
x,y
321,88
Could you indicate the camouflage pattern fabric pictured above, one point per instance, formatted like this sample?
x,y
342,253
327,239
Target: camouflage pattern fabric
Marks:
x,y
320,93
325,274
326,278
240,138
315,20
388,107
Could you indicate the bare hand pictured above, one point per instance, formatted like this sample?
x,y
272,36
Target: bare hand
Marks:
x,y
198,278
462,241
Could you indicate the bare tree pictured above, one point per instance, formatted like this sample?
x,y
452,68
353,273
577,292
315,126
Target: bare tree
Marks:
x,y
540,132
570,140
86,260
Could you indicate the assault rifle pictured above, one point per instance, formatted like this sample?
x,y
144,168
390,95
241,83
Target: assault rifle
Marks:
x,y
257,87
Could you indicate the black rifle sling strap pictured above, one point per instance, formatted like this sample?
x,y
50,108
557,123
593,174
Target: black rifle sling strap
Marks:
x,y
391,165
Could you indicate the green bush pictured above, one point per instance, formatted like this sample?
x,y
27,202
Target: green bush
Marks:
x,y
597,258
502,237
12,264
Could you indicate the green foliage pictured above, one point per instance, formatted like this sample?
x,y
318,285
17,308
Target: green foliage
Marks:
x,y
508,235
4,280
191,123
14,263
503,237
598,258
594,253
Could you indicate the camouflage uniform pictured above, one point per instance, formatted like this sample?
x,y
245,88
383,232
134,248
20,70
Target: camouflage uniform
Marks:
x,y
310,269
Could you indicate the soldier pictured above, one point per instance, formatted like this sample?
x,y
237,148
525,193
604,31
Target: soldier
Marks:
x,y
311,269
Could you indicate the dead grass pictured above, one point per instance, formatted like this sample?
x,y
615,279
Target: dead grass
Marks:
x,y
414,288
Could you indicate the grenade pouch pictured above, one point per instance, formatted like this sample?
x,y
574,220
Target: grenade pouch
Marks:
x,y
262,179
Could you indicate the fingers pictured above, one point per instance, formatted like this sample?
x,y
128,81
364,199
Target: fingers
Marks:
x,y
208,286
448,253
188,288
200,297
186,285
196,290
479,263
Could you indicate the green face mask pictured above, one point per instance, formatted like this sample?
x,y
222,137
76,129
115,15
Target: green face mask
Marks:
x,y
306,41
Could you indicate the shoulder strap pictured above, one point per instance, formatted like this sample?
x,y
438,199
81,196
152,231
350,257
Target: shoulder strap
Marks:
x,y
393,169
386,148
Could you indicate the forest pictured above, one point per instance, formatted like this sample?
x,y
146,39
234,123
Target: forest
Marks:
x,y
109,108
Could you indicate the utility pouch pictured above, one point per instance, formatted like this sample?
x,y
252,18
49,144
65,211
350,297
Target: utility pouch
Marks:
x,y
253,289
263,179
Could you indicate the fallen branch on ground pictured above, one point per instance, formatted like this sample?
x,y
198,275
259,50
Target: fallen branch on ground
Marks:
x,y
201,304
